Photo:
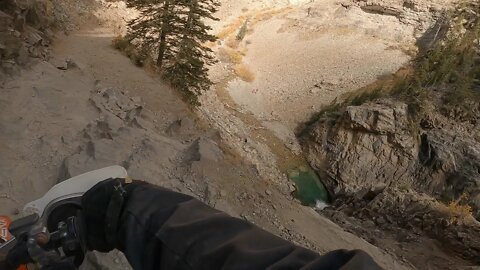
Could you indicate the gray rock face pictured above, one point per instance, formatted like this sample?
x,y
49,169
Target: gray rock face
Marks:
x,y
23,26
5,21
372,144
407,11
379,8
367,146
451,166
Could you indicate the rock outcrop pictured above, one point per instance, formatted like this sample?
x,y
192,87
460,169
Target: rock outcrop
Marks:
x,y
369,145
374,144
407,11
24,32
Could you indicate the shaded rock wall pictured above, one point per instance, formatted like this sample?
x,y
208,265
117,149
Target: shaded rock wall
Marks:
x,y
378,169
374,145
24,32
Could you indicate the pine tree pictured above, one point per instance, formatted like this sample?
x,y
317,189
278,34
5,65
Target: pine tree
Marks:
x,y
154,30
189,71
172,33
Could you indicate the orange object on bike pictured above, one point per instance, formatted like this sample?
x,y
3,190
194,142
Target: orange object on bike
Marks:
x,y
4,225
5,234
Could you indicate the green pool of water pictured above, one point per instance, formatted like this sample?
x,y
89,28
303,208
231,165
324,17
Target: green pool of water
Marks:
x,y
309,187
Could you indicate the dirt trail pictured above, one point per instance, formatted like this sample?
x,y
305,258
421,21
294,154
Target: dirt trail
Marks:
x,y
91,49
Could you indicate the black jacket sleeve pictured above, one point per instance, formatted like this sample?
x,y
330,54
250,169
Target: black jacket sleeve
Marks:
x,y
162,229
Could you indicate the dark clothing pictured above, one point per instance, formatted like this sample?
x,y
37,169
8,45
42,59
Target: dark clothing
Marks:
x,y
162,229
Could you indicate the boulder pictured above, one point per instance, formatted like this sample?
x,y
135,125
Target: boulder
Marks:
x,y
33,37
10,46
19,21
181,127
5,21
368,146
382,7
23,56
203,150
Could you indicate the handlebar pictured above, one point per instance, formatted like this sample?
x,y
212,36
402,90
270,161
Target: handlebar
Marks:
x,y
34,243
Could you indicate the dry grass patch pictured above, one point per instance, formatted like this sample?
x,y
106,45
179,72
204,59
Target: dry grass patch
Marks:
x,y
255,16
232,28
243,50
459,210
244,73
232,42
266,14
233,55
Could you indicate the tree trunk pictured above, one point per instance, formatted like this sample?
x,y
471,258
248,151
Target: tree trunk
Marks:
x,y
189,22
163,34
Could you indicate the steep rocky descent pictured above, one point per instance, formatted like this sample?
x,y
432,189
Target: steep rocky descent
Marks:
x,y
371,153
60,122
412,225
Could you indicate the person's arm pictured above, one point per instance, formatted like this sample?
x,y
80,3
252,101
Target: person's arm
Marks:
x,y
162,229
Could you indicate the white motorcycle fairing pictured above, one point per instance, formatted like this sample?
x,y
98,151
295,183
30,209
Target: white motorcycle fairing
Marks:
x,y
72,189
41,220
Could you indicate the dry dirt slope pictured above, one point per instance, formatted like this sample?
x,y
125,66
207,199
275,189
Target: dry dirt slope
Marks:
x,y
102,110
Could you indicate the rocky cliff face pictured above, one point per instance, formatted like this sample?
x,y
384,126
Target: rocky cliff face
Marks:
x,y
368,146
27,28
24,32
374,145
407,11
371,154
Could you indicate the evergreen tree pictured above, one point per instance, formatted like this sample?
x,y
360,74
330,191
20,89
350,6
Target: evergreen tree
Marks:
x,y
155,29
172,32
189,71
